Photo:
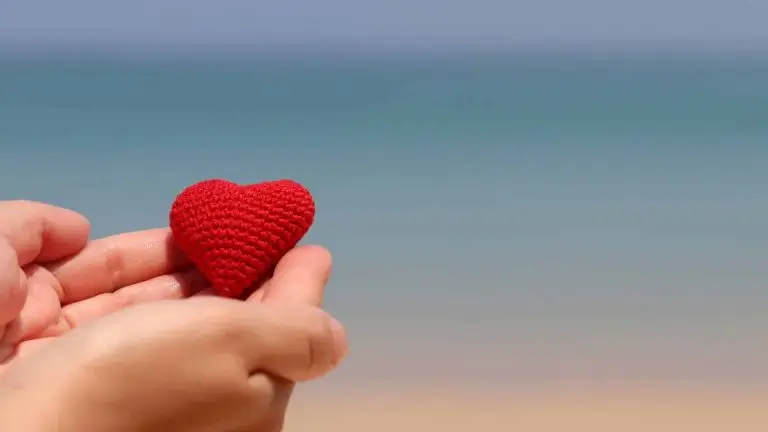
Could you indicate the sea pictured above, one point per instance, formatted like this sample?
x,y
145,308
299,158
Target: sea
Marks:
x,y
504,220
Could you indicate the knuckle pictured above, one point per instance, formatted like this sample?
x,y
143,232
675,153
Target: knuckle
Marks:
x,y
319,341
114,263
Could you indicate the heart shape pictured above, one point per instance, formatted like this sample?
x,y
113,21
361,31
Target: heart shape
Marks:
x,y
235,234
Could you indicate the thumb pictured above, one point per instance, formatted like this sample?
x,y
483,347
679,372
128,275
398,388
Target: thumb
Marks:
x,y
299,277
293,342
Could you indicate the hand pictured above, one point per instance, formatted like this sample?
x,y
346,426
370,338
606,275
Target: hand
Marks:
x,y
31,297
59,291
193,365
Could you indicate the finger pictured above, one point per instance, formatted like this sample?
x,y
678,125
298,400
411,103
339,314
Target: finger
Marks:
x,y
299,277
110,263
294,342
41,232
13,291
32,231
166,287
42,307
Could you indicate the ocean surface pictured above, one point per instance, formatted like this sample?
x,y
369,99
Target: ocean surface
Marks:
x,y
507,221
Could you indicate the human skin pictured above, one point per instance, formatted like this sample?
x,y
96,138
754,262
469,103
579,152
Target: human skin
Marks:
x,y
77,318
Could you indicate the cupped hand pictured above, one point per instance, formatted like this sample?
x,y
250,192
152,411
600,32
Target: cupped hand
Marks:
x,y
52,280
193,365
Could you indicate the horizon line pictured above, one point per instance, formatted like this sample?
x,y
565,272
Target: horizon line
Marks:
x,y
239,52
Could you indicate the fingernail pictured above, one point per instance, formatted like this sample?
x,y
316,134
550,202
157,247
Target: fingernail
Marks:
x,y
340,339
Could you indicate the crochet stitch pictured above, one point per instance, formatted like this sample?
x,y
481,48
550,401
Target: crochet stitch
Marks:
x,y
236,234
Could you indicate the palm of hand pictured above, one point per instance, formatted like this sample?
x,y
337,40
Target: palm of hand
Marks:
x,y
54,294
53,280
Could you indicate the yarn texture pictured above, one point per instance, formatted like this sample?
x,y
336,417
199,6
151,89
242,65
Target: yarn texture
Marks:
x,y
235,234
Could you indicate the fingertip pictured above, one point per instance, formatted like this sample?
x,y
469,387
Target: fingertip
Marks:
x,y
293,341
300,277
74,219
327,345
340,340
42,232
81,225
317,256
317,252
323,258
71,234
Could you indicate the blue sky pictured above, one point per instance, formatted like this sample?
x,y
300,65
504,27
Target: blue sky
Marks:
x,y
443,24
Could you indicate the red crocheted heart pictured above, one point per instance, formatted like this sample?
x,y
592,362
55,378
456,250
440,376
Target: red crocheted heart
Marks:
x,y
236,234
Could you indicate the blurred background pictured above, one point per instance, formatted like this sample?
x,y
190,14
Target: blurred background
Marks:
x,y
540,211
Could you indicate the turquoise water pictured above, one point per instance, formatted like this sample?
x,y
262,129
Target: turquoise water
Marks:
x,y
456,100
521,218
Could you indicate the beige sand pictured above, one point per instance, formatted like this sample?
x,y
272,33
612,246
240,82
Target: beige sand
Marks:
x,y
626,411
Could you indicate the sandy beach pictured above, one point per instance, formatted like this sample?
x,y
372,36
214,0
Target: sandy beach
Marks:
x,y
625,411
